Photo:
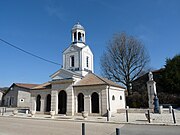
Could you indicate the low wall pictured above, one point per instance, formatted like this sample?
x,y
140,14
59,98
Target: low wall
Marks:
x,y
133,110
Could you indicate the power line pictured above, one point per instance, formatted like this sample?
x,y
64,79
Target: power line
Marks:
x,y
29,53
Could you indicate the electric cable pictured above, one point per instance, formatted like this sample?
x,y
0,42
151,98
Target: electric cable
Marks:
x,y
29,53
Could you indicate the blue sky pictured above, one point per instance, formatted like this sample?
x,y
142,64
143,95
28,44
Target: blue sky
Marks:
x,y
43,28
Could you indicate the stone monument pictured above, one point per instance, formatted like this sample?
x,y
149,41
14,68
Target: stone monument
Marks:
x,y
151,87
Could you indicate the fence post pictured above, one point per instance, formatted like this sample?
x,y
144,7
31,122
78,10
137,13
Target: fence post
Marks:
x,y
117,131
149,119
107,115
126,115
170,109
3,111
83,128
174,119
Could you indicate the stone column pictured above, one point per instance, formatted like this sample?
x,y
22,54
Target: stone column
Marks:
x,y
42,105
54,101
70,101
104,98
33,104
100,101
75,104
87,103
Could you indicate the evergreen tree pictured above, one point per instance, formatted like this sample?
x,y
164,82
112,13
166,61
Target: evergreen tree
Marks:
x,y
171,75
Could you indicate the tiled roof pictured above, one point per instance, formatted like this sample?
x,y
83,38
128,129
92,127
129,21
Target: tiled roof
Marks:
x,y
92,79
42,86
26,85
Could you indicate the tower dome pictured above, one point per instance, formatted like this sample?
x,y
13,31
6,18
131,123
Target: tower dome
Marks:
x,y
78,35
78,26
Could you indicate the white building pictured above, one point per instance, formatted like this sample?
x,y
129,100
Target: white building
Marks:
x,y
1,95
18,95
75,88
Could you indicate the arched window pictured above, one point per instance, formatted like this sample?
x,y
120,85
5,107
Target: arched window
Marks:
x,y
48,103
83,37
79,36
75,37
95,102
62,102
87,61
72,61
120,97
80,102
113,97
38,103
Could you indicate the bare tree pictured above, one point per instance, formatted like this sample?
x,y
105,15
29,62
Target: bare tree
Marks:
x,y
124,59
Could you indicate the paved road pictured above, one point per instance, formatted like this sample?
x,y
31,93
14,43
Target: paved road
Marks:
x,y
150,130
14,126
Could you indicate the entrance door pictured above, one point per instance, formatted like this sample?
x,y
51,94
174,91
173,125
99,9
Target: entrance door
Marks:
x,y
80,102
38,103
62,102
95,102
48,103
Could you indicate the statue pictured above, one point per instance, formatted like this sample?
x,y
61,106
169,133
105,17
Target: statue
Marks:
x,y
156,104
150,76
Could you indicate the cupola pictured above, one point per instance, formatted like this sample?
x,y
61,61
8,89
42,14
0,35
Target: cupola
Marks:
x,y
78,34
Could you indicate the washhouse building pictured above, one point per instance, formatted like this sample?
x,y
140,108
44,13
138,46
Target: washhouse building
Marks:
x,y
74,87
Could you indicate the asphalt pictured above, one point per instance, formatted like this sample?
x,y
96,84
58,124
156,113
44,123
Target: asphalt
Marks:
x,y
22,126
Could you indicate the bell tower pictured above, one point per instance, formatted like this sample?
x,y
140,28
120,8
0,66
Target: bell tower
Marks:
x,y
78,35
78,57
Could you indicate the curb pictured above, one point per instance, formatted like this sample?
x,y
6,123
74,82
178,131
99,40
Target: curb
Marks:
x,y
89,121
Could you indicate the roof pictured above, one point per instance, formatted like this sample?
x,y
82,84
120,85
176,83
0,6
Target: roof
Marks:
x,y
92,79
22,85
42,86
73,46
26,85
78,26
65,70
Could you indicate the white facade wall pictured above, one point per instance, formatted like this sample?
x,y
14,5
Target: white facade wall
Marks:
x,y
80,62
23,99
87,92
86,52
116,102
67,64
